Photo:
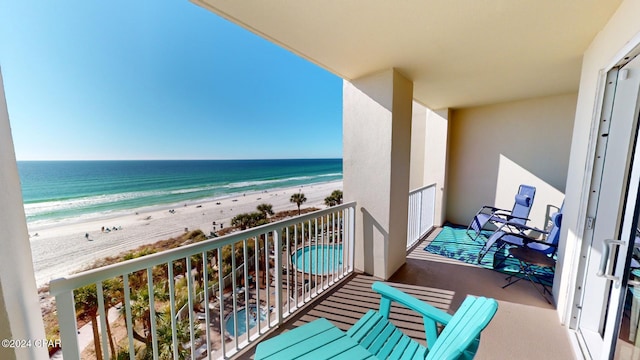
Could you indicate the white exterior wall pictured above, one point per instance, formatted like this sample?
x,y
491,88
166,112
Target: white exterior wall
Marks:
x,y
377,122
418,140
436,152
429,135
20,316
614,41
493,149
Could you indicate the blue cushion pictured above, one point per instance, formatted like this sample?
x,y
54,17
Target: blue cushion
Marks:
x,y
523,200
557,219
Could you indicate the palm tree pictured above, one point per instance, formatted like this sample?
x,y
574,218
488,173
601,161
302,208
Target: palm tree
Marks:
x,y
266,209
165,337
86,299
241,220
140,311
298,199
334,199
113,294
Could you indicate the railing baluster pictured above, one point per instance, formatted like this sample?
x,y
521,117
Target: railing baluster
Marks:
x,y
221,303
325,259
318,248
334,227
297,270
245,273
127,313
152,313
103,322
256,277
207,318
278,277
352,236
267,278
291,271
189,275
67,322
172,305
234,295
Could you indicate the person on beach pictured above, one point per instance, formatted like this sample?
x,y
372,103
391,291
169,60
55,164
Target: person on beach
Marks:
x,y
86,235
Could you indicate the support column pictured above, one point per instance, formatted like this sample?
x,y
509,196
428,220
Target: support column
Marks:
x,y
377,146
20,317
429,148
435,154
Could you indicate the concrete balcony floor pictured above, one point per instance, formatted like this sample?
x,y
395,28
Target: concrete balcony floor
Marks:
x,y
525,326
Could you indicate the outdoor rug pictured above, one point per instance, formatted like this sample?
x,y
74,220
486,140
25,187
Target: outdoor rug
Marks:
x,y
454,243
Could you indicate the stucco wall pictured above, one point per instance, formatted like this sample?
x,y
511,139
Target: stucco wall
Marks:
x,y
429,135
493,149
610,45
418,139
377,124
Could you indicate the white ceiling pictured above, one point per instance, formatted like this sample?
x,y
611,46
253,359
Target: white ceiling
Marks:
x,y
458,53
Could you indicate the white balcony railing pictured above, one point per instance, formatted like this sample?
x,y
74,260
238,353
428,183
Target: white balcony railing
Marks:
x,y
421,213
267,273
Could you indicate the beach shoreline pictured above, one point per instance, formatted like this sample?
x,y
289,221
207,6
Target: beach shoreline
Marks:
x,y
66,247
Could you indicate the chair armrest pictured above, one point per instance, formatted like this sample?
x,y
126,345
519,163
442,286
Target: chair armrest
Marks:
x,y
511,217
430,314
521,227
496,210
409,302
527,240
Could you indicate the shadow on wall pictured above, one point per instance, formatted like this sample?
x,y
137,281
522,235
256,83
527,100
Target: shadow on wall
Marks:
x,y
510,175
376,240
495,148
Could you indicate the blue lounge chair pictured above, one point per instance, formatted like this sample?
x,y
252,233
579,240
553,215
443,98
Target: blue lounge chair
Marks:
x,y
530,251
492,215
516,234
375,337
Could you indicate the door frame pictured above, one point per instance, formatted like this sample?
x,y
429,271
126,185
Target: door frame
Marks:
x,y
571,311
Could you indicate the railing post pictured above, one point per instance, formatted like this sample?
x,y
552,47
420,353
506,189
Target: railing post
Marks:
x,y
68,327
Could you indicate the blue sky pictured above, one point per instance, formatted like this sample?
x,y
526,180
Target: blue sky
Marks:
x,y
158,80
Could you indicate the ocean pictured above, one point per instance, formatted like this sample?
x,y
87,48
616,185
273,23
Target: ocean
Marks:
x,y
55,190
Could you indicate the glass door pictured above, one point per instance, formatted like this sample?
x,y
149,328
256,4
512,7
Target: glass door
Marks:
x,y
628,339
611,217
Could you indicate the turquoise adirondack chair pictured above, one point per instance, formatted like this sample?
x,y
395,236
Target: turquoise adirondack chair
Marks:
x,y
459,339
375,337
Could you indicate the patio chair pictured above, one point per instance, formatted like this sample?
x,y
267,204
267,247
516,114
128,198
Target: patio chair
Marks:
x,y
515,233
492,215
533,253
375,337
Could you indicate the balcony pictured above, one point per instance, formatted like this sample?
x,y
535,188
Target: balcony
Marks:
x,y
229,290
280,276
525,326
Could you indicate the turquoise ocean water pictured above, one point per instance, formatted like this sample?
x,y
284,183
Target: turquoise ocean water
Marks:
x,y
54,190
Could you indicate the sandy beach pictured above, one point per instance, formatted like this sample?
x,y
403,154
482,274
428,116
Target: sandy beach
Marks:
x,y
63,249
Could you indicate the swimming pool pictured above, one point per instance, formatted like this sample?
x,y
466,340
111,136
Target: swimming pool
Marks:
x,y
242,320
318,259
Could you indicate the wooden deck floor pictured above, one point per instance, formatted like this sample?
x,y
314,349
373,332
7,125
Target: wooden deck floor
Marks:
x,y
525,326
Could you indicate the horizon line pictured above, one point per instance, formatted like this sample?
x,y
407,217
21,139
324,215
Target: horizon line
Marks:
x,y
246,159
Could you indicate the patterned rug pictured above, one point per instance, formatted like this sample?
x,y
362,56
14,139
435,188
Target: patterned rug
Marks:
x,y
454,243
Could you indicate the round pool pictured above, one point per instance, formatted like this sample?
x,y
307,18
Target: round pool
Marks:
x,y
242,320
318,259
